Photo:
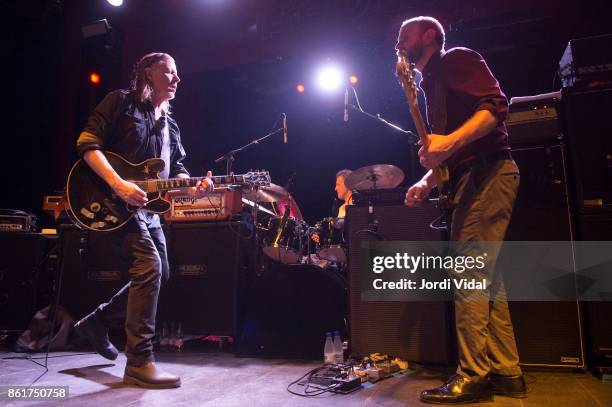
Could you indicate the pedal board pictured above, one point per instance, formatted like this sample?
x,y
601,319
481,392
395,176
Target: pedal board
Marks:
x,y
333,378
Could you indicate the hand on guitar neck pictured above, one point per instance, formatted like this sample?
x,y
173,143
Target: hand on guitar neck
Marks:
x,y
204,185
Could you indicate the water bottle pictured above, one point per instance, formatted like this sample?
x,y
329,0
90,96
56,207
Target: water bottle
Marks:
x,y
172,336
179,337
328,350
163,342
338,351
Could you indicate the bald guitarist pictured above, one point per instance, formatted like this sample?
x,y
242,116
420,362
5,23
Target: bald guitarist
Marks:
x,y
466,110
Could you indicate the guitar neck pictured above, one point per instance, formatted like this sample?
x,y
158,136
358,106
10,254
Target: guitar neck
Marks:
x,y
419,123
162,185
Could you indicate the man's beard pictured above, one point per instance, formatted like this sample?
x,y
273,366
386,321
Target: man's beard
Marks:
x,y
415,53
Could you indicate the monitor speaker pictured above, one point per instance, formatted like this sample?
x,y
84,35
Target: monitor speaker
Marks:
x,y
418,331
547,333
21,263
209,268
92,270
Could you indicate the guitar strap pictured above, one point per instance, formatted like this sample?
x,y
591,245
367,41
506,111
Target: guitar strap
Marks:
x,y
439,116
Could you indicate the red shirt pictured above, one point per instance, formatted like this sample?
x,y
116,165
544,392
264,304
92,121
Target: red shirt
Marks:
x,y
457,83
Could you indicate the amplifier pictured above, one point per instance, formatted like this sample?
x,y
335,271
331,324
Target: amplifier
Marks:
x,y
534,120
220,204
17,221
587,62
380,197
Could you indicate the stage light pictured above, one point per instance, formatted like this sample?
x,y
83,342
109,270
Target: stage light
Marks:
x,y
330,78
115,3
94,78
300,88
353,79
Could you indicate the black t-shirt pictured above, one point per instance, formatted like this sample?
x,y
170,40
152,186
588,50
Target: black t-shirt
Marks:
x,y
123,125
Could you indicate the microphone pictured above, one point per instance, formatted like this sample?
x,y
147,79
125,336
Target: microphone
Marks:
x,y
284,128
346,105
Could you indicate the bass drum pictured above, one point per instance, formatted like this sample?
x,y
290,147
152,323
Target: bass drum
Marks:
x,y
283,240
331,240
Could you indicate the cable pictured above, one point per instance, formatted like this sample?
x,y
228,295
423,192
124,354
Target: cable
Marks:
x,y
555,76
312,393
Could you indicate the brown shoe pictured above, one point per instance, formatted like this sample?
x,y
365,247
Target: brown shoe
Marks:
x,y
150,376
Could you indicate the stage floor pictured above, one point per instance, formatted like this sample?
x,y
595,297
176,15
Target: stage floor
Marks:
x,y
213,378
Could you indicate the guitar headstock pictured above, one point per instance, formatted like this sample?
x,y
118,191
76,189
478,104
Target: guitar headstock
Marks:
x,y
405,72
257,178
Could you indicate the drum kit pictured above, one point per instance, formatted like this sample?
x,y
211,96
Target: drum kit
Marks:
x,y
286,238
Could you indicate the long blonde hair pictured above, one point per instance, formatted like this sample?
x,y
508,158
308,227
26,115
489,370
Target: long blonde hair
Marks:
x,y
140,84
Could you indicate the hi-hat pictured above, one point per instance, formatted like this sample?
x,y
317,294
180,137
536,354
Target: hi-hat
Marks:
x,y
378,176
268,193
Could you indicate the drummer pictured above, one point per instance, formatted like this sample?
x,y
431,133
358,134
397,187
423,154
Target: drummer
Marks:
x,y
343,193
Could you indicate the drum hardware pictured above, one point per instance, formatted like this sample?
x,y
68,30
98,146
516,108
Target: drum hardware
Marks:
x,y
270,194
283,241
331,240
372,178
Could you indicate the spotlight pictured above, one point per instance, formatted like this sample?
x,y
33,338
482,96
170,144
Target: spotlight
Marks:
x,y
330,78
115,3
300,88
353,79
94,78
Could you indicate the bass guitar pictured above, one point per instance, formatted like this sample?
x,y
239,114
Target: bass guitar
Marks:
x,y
407,78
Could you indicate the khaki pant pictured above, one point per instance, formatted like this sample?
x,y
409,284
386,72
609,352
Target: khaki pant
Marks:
x,y
483,196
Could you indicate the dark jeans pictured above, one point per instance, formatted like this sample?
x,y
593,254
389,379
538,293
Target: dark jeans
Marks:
x,y
142,245
483,196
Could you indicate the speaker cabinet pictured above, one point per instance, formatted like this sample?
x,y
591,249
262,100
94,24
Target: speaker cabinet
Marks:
x,y
289,310
21,261
92,270
547,333
588,128
417,331
597,313
209,267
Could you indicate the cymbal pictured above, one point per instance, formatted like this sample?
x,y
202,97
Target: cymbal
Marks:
x,y
379,176
269,193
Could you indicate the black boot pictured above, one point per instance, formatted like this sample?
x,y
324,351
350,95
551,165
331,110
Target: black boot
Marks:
x,y
460,389
97,335
511,386
150,376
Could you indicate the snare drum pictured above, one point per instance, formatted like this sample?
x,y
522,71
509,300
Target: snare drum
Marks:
x,y
331,240
283,240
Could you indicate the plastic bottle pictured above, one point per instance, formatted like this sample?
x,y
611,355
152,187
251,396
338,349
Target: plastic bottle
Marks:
x,y
179,337
338,351
328,350
163,343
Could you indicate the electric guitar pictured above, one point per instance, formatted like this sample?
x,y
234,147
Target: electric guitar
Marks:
x,y
93,205
406,76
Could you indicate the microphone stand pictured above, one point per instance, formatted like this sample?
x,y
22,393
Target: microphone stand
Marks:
x,y
229,157
379,119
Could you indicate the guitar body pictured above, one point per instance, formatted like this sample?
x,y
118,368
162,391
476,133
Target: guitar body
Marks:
x,y
92,204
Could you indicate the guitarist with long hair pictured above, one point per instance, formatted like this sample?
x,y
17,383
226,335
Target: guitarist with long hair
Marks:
x,y
466,110
136,124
